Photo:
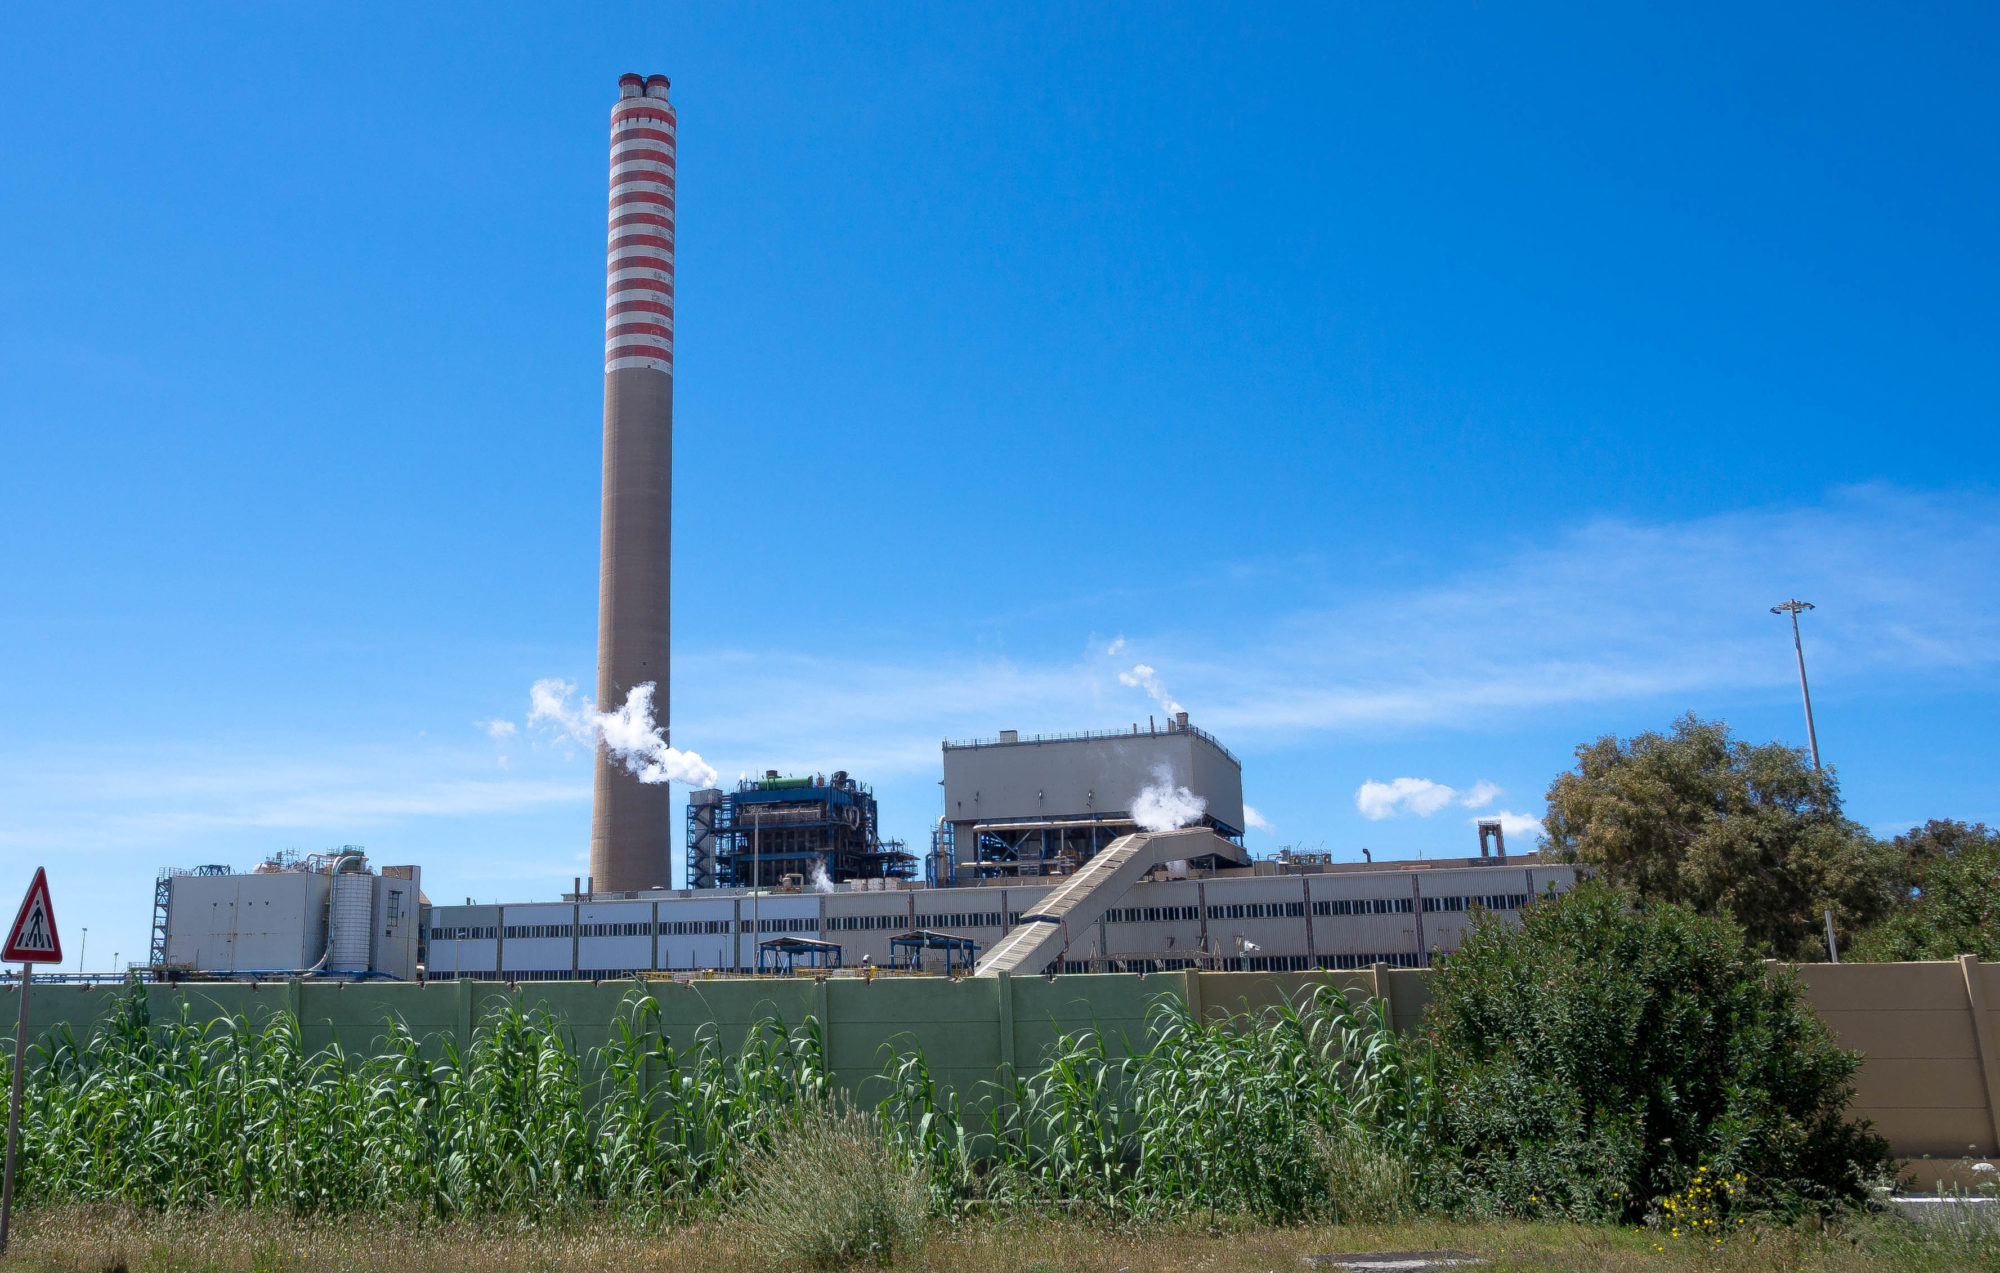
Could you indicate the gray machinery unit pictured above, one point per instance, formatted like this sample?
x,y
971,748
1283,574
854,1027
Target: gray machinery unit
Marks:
x,y
1046,804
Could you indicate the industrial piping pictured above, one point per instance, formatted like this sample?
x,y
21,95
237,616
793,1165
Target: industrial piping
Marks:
x,y
631,822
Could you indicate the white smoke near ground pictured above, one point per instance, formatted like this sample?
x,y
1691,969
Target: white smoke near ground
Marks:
x,y
819,881
630,734
1421,796
1255,820
1165,806
1143,677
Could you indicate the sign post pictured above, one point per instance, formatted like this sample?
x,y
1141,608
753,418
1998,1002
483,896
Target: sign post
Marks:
x,y
32,940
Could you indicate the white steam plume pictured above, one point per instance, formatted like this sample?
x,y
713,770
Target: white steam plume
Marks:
x,y
1163,806
1255,820
1143,677
630,734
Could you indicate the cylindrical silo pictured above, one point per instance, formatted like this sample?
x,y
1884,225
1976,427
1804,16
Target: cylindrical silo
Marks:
x,y
631,822
350,920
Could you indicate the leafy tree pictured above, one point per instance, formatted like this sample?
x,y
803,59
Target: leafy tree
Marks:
x,y
1592,1057
1952,871
1750,832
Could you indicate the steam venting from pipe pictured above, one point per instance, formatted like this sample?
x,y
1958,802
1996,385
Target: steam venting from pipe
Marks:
x,y
1143,677
819,881
629,735
1164,806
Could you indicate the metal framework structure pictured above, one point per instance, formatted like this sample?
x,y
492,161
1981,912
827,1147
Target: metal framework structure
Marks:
x,y
786,955
702,809
163,901
907,951
1048,847
811,828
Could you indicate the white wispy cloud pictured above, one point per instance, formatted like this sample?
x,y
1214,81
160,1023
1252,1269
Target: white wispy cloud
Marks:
x,y
178,795
1421,796
1614,611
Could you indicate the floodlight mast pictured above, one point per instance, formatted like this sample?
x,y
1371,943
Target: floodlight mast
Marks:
x,y
1792,608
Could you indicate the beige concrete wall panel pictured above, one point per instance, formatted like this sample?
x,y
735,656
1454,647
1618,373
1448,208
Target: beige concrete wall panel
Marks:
x,y
1886,1034
1921,1084
1885,987
1940,1133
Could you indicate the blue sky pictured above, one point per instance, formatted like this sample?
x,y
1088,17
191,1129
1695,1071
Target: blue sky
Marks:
x,y
1420,390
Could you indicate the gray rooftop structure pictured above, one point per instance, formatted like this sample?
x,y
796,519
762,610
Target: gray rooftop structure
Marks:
x,y
1046,803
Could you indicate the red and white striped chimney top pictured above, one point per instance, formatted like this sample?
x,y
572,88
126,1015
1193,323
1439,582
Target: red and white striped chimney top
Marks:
x,y
639,255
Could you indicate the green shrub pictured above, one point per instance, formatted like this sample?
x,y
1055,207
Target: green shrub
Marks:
x,y
831,1190
1594,1056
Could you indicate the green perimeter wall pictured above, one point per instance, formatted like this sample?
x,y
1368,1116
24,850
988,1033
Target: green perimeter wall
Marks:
x,y
1929,1032
970,1030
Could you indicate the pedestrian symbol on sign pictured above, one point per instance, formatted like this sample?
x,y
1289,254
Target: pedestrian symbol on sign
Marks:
x,y
33,939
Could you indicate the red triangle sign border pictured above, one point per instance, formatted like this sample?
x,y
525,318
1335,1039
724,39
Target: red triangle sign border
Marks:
x,y
47,944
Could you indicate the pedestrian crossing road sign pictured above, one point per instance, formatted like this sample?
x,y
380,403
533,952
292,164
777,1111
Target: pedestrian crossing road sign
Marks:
x,y
33,938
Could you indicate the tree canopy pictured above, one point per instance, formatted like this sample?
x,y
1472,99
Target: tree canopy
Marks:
x,y
1951,882
1748,831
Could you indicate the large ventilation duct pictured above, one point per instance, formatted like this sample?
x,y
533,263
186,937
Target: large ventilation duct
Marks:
x,y
631,828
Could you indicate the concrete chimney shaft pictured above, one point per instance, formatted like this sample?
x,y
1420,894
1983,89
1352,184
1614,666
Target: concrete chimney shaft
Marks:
x,y
631,826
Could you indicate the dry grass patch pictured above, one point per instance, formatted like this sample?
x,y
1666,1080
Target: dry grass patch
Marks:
x,y
95,1240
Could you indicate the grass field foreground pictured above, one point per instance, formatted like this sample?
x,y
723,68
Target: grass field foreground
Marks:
x,y
102,1239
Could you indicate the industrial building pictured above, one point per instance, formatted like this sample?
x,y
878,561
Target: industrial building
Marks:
x,y
799,830
1109,850
324,913
1289,913
1045,804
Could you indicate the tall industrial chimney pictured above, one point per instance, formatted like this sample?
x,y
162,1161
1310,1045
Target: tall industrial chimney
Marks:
x,y
631,822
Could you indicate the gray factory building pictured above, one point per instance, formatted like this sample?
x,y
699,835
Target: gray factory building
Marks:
x,y
1287,914
1044,804
325,913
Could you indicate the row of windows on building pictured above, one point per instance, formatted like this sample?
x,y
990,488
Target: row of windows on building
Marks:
x,y
987,919
1249,963
1486,901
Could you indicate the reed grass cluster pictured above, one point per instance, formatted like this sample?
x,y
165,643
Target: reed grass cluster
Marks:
x,y
181,1114
1312,1109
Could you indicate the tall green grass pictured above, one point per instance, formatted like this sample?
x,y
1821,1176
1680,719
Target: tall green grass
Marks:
x,y
183,1114
1315,1108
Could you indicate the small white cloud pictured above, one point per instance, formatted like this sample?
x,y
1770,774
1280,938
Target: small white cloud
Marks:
x,y
499,730
1116,648
1421,796
1255,820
